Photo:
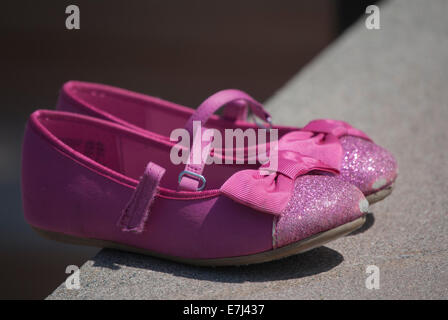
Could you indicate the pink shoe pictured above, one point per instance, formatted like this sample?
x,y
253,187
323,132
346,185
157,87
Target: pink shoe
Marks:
x,y
88,181
359,160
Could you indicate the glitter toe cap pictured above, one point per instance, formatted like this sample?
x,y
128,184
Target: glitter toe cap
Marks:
x,y
367,165
319,203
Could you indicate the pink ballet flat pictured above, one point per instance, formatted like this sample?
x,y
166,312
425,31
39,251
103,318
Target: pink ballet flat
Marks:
x,y
94,182
358,159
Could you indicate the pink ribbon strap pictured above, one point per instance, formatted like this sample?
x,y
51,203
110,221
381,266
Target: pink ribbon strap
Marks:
x,y
236,111
137,210
270,193
197,158
230,98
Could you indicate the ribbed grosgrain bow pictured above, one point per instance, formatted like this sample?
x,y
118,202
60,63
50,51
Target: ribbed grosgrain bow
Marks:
x,y
269,188
317,148
337,128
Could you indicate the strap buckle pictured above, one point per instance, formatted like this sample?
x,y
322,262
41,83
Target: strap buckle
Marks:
x,y
194,175
268,121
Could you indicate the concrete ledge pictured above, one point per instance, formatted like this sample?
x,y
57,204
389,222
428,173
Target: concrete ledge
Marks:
x,y
392,83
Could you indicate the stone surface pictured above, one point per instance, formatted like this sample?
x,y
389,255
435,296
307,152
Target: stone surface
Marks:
x,y
393,84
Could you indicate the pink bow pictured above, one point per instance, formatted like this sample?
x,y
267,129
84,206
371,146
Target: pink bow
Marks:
x,y
299,152
337,128
332,130
271,192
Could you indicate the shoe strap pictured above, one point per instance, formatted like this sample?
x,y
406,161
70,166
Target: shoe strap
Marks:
x,y
137,210
230,98
191,179
236,110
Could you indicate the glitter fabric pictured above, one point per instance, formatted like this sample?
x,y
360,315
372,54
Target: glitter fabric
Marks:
x,y
319,203
367,165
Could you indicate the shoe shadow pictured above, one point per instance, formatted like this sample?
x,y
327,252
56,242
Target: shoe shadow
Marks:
x,y
307,264
370,221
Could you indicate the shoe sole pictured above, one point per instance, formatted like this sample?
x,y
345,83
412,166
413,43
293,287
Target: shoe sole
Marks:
x,y
275,254
380,195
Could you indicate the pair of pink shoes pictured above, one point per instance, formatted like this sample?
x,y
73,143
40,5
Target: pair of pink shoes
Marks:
x,y
101,174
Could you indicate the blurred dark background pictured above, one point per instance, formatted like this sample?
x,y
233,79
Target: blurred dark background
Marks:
x,y
179,50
